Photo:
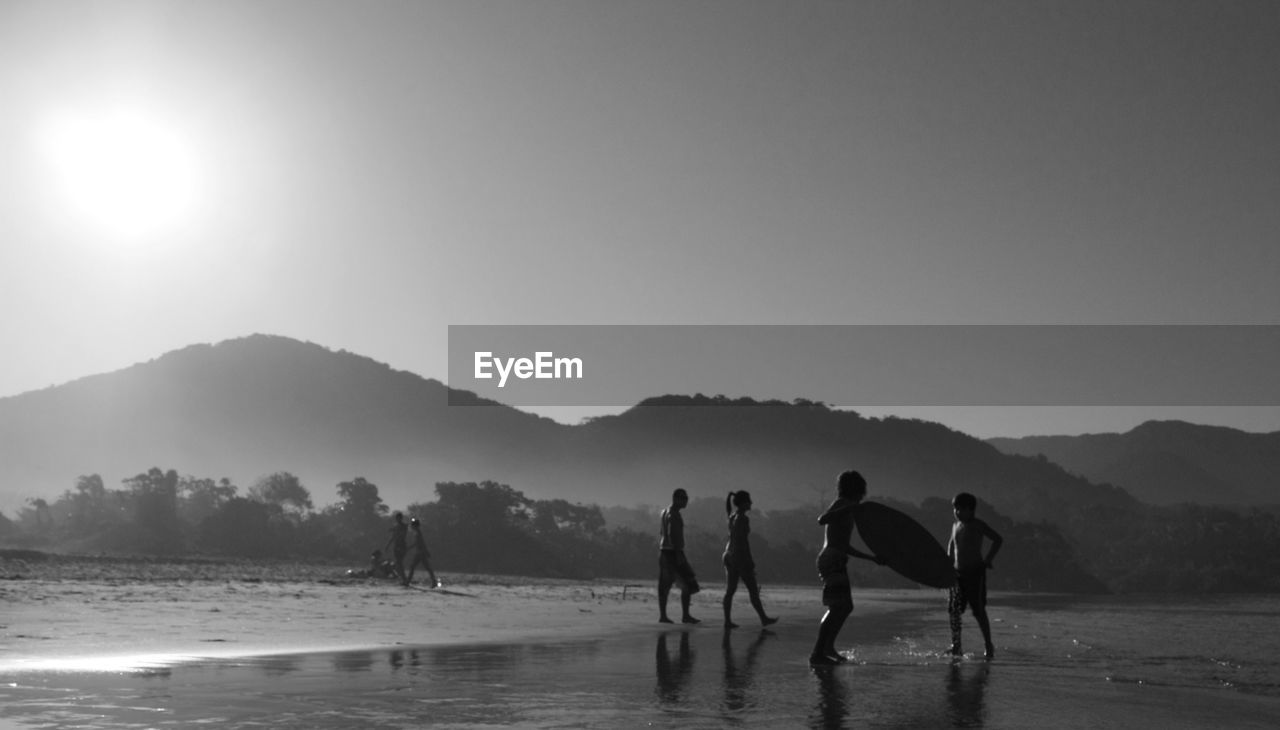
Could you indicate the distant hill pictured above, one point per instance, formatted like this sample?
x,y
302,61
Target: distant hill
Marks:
x,y
1168,462
252,406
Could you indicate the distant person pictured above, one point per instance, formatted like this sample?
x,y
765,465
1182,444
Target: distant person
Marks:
x,y
833,562
399,545
738,563
965,551
421,556
673,566
379,567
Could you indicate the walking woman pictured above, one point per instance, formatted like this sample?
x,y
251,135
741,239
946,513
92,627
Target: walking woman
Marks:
x,y
738,564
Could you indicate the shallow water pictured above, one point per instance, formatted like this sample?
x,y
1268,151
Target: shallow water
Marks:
x,y
1060,663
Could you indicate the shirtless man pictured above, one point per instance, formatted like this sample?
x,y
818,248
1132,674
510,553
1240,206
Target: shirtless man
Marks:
x,y
970,590
673,566
399,545
833,561
421,556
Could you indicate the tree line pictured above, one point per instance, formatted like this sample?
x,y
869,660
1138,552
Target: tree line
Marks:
x,y
488,527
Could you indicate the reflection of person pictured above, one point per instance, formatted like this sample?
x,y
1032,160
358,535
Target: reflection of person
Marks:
x,y
738,563
965,694
421,556
738,678
673,675
399,544
673,566
833,561
835,706
965,551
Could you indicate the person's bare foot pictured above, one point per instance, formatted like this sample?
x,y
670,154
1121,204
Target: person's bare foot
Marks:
x,y
730,625
822,660
768,620
690,620
665,620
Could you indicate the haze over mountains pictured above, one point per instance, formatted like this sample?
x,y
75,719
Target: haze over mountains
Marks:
x,y
261,404
1166,462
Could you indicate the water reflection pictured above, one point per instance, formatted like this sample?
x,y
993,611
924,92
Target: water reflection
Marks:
x,y
353,661
398,659
966,686
673,675
278,666
832,711
739,674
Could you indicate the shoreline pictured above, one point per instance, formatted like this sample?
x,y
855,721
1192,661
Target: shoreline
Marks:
x,y
123,614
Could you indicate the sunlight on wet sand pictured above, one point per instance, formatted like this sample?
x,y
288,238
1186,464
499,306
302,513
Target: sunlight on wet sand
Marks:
x,y
580,655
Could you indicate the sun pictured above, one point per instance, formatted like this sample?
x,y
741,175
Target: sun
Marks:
x,y
123,173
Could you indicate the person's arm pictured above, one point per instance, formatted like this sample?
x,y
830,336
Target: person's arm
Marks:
x,y
855,552
996,542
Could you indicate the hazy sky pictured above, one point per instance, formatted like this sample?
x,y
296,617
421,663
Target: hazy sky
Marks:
x,y
362,175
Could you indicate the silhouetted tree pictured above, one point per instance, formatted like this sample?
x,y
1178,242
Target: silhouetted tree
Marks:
x,y
283,489
155,505
202,498
246,527
355,525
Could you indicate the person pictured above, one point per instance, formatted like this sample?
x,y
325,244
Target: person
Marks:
x,y
421,556
970,589
673,566
399,544
833,561
738,563
378,568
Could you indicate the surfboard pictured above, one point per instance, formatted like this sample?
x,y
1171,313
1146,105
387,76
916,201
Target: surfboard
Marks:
x,y
904,544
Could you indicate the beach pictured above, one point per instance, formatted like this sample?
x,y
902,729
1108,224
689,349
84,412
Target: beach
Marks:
x,y
154,644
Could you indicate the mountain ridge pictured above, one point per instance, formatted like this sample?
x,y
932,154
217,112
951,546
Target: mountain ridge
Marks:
x,y
251,406
1169,462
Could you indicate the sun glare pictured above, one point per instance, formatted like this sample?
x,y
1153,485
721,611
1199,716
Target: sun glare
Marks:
x,y
123,174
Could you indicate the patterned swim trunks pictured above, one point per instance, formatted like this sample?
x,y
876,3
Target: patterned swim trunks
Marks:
x,y
833,568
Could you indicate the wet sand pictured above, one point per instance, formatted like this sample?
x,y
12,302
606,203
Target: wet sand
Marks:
x,y
139,621
158,646
484,651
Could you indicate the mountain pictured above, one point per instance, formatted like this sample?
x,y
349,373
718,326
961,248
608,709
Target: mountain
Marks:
x,y
261,404
253,406
1169,462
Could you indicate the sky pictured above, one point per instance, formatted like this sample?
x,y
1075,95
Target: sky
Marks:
x,y
363,175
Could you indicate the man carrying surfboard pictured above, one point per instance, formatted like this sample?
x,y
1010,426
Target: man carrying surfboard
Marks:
x,y
970,589
833,562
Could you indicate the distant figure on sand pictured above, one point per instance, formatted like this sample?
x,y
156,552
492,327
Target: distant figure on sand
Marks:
x,y
421,556
673,567
833,561
399,544
738,563
378,568
965,551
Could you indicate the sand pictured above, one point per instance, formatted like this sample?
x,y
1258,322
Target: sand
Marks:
x,y
109,643
84,612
